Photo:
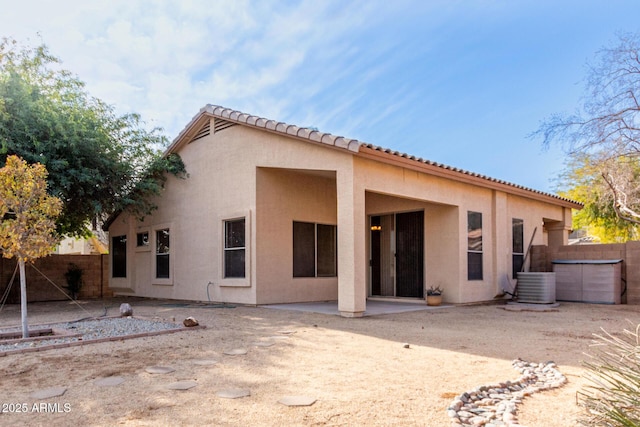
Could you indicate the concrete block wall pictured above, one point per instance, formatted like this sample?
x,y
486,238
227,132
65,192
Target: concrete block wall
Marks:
x,y
44,280
542,258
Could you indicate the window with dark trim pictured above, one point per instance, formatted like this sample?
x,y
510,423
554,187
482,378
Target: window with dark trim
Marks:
x,y
162,254
234,248
474,245
119,256
517,250
314,250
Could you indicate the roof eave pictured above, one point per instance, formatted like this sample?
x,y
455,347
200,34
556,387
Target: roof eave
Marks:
x,y
410,162
362,150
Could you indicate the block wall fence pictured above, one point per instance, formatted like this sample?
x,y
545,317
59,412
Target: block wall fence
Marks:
x,y
96,271
542,258
52,269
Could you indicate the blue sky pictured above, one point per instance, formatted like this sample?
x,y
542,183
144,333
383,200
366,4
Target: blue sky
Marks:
x,y
458,82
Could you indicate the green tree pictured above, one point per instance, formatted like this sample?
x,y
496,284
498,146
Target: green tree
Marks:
x,y
602,139
98,162
582,180
28,215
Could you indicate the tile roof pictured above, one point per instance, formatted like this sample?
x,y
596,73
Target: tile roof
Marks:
x,y
358,147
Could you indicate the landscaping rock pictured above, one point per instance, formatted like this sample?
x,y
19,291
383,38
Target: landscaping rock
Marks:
x,y
496,404
125,310
190,322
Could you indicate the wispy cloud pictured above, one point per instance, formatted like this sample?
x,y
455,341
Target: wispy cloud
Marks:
x,y
437,79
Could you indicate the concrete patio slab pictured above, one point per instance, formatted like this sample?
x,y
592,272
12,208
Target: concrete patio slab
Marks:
x,y
374,307
520,306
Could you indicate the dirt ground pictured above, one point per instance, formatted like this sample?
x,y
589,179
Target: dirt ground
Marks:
x,y
358,369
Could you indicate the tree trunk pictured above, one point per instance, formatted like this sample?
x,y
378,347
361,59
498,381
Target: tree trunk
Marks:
x,y
23,298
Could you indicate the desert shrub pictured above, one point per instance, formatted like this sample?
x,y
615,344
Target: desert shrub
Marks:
x,y
612,394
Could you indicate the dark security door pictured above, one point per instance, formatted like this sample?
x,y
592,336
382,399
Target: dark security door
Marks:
x,y
410,254
397,255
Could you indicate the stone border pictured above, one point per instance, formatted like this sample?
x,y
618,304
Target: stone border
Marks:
x,y
496,404
99,340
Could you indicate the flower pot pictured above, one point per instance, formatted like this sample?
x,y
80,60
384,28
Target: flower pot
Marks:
x,y
434,299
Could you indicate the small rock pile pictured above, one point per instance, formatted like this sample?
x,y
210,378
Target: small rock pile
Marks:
x,y
496,405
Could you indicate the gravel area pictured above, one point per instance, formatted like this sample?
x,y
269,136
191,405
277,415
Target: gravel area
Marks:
x,y
91,330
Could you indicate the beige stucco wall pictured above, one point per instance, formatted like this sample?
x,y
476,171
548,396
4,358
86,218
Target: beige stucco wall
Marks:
x,y
272,180
446,204
285,196
222,184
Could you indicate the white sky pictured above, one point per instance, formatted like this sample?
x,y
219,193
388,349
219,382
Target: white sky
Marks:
x,y
454,81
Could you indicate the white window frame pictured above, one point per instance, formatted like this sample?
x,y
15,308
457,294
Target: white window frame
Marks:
x,y
240,282
153,244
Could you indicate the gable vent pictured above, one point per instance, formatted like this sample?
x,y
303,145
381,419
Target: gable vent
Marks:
x,y
220,125
204,131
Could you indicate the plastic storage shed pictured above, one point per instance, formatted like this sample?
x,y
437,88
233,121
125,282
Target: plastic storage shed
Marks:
x,y
595,281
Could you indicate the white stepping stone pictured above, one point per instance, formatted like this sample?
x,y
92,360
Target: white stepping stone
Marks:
x,y
236,352
109,381
297,401
182,385
49,392
159,370
204,362
233,393
263,343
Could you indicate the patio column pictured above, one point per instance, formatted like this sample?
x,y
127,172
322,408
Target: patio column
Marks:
x,y
501,251
352,290
559,230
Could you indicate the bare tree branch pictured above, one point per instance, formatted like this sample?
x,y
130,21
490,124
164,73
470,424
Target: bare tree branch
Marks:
x,y
605,130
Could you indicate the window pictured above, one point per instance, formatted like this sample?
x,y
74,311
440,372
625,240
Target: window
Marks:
x,y
517,251
162,254
142,239
119,256
474,245
314,250
234,248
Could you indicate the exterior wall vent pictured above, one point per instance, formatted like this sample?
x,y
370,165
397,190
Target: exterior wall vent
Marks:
x,y
220,125
204,131
537,288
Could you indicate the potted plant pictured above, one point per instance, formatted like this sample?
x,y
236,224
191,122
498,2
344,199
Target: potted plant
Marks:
x,y
434,295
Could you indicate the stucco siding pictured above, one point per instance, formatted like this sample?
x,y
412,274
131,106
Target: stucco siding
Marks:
x,y
446,204
285,196
272,180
